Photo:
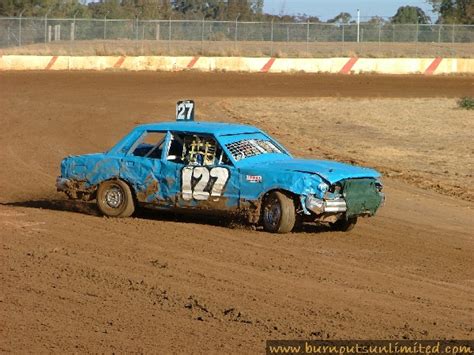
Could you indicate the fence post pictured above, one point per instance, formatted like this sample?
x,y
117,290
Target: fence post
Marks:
x,y
136,29
143,36
19,30
452,40
307,38
343,37
236,29
73,27
46,26
157,31
271,40
202,35
49,33
105,25
169,35
380,34
358,25
416,37
439,33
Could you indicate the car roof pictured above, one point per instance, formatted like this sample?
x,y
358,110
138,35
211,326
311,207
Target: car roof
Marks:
x,y
216,128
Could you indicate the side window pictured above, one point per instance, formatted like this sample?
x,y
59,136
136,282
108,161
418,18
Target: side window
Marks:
x,y
150,145
199,150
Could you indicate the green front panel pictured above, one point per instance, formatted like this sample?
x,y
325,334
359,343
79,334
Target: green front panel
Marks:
x,y
362,196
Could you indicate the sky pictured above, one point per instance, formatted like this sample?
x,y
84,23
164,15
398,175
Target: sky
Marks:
x,y
325,9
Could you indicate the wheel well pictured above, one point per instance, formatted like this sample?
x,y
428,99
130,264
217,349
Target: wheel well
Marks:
x,y
290,194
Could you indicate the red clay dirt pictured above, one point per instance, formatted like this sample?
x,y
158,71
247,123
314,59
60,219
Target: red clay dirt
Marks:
x,y
159,282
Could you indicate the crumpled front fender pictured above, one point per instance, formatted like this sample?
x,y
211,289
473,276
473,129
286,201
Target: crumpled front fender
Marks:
x,y
256,183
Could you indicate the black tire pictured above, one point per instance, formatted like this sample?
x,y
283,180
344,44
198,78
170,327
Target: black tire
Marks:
x,y
114,199
278,213
344,225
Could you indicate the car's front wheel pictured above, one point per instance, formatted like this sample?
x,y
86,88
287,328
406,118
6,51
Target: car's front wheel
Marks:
x,y
278,214
114,199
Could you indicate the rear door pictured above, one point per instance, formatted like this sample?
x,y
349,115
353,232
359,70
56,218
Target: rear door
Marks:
x,y
142,167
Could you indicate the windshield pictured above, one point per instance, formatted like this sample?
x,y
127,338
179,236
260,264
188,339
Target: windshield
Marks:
x,y
246,148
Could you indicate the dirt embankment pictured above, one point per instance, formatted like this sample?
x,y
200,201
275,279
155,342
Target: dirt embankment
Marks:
x,y
246,48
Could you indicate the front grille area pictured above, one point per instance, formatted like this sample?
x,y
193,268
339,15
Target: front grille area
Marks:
x,y
361,196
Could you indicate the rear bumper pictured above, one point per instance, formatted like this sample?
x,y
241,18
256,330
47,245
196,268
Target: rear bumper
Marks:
x,y
75,189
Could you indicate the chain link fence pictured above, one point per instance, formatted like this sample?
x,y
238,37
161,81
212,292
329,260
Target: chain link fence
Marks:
x,y
179,37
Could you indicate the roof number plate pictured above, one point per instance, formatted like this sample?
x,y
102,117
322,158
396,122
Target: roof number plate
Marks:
x,y
185,110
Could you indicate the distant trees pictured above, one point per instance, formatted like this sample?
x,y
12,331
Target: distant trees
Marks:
x,y
450,11
59,8
377,20
454,11
211,9
343,17
410,14
145,9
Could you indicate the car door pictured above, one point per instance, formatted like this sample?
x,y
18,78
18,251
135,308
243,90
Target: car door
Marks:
x,y
142,167
204,176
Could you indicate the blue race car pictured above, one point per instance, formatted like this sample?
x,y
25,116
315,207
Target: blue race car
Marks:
x,y
221,167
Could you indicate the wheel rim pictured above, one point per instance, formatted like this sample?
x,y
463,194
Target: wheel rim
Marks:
x,y
114,197
272,213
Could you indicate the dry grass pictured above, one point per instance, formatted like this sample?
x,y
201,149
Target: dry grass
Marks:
x,y
255,49
427,142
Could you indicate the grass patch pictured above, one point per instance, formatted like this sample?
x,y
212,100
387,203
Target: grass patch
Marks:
x,y
466,103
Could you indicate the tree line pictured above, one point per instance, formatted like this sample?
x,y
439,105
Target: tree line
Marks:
x,y
448,11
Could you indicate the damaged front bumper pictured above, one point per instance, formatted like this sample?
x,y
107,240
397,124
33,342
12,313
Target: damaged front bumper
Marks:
x,y
355,197
319,206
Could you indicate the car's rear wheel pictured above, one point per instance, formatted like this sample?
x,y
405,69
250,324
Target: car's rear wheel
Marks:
x,y
344,224
278,213
115,199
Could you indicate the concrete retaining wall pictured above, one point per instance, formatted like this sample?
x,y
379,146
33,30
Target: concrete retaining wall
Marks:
x,y
427,66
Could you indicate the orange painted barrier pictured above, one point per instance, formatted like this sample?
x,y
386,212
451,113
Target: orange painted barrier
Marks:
x,y
426,66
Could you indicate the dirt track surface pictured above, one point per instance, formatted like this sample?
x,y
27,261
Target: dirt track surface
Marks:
x,y
73,281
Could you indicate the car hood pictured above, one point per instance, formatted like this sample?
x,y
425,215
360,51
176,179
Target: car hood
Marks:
x,y
328,170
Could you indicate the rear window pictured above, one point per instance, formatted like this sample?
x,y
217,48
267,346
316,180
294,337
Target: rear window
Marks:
x,y
246,148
